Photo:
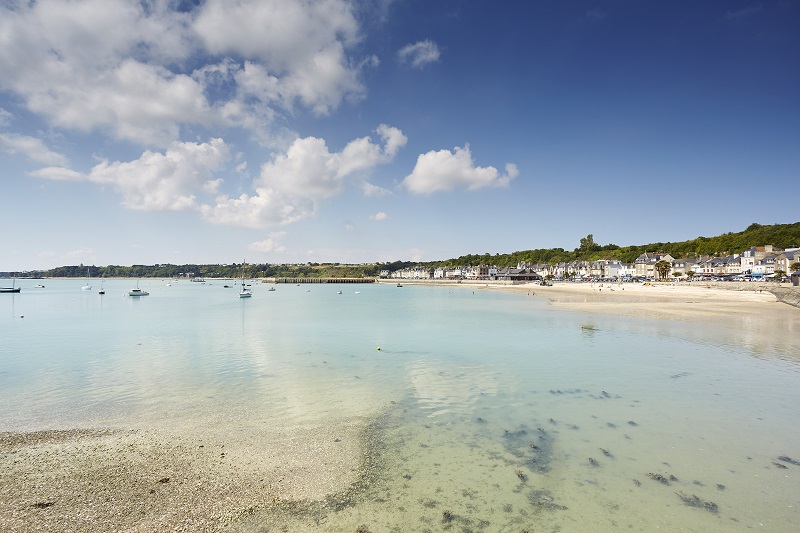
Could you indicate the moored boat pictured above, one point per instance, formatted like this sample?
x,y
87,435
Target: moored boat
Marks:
x,y
137,291
245,292
13,287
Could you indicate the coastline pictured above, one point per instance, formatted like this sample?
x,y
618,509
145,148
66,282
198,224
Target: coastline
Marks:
x,y
758,315
696,302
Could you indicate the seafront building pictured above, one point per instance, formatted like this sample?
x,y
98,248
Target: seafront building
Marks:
x,y
757,262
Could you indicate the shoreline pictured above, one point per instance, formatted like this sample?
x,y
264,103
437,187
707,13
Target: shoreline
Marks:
x,y
757,314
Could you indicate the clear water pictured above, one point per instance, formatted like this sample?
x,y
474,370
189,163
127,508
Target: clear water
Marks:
x,y
500,413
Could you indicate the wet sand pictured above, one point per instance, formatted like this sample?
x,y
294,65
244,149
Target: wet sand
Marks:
x,y
137,480
740,306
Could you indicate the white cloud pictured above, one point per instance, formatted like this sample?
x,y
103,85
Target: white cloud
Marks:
x,y
291,186
445,170
5,117
58,174
297,49
379,216
157,181
32,148
373,190
118,66
95,65
419,54
270,244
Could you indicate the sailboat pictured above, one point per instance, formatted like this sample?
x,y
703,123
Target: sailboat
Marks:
x,y
137,291
245,292
87,287
13,287
102,290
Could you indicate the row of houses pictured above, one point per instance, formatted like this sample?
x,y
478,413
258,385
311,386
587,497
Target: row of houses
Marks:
x,y
480,272
757,262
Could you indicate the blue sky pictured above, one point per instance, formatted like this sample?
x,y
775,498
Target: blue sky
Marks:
x,y
332,131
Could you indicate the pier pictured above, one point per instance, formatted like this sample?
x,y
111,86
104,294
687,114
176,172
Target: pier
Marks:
x,y
324,280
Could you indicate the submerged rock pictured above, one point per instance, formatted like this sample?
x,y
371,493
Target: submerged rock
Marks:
x,y
535,449
543,499
695,501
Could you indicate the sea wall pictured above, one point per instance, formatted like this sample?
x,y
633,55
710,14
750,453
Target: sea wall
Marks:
x,y
787,295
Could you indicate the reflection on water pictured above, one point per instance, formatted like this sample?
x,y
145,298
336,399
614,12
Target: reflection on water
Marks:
x,y
493,412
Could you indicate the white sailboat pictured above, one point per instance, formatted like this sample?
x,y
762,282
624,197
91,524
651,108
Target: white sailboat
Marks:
x,y
87,287
245,292
137,291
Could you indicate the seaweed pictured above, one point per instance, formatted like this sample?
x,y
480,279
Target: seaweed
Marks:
x,y
544,500
696,501
658,477
535,450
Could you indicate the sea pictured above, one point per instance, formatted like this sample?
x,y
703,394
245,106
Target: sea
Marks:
x,y
490,411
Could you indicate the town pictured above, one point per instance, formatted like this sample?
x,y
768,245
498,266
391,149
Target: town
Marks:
x,y
765,262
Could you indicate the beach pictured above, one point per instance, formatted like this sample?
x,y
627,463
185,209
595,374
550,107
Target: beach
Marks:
x,y
134,480
148,480
723,304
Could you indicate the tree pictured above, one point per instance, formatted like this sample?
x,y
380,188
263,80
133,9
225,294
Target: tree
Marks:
x,y
662,268
588,245
795,266
690,274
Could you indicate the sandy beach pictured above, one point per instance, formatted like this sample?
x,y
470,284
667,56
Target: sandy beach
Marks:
x,y
135,480
720,304
139,480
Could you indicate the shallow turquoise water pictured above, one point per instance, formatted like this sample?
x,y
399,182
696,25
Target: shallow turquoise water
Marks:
x,y
469,379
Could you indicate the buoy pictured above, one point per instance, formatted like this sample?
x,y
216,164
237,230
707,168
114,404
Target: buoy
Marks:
x,y
379,348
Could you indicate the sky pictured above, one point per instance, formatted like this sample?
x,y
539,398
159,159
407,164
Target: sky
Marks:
x,y
288,131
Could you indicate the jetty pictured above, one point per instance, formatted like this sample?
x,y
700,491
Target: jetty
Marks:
x,y
298,281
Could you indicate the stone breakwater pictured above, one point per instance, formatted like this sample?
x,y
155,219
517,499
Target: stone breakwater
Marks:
x,y
787,295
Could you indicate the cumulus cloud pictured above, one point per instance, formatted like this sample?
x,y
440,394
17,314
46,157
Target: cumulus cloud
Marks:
x,y
118,66
444,170
379,216
270,244
156,181
291,186
31,147
370,189
96,65
419,54
58,174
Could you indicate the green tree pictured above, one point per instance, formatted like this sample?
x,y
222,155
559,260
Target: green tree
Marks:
x,y
662,268
588,245
795,266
